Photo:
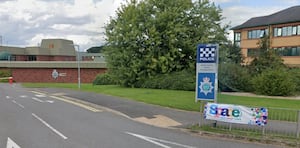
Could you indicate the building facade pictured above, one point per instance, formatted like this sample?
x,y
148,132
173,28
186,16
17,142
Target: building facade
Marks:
x,y
55,60
283,29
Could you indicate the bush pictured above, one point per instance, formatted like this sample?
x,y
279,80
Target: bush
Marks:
x,y
274,83
234,77
104,79
295,72
183,80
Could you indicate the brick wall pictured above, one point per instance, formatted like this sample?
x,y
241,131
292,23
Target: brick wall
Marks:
x,y
44,75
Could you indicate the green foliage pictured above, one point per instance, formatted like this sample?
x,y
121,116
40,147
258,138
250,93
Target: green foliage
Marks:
x,y
95,49
295,72
4,74
183,80
154,37
104,79
267,58
274,83
230,53
234,77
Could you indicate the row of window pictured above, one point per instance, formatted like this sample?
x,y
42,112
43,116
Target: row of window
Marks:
x,y
255,34
282,51
287,31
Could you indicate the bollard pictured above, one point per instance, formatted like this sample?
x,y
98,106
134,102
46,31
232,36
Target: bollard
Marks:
x,y
10,80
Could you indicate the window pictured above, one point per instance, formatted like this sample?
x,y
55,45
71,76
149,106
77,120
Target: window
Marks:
x,y
284,31
298,30
275,32
279,31
288,51
252,52
237,39
262,33
294,30
31,58
289,30
249,34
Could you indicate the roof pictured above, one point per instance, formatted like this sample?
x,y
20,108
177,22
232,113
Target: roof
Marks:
x,y
288,15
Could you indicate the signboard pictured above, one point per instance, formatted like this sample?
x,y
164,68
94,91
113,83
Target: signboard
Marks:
x,y
207,72
236,114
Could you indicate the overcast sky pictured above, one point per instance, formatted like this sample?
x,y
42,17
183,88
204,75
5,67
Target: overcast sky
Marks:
x,y
27,22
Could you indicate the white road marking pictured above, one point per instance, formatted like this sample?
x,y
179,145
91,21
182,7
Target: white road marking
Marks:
x,y
77,104
23,96
11,144
36,99
40,95
7,97
158,141
50,127
50,101
14,101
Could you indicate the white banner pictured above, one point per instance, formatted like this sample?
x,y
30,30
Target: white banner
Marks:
x,y
236,114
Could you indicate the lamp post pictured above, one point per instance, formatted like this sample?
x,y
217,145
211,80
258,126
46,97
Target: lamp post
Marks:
x,y
78,63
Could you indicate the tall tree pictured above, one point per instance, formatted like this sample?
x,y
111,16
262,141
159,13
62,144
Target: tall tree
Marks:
x,y
153,37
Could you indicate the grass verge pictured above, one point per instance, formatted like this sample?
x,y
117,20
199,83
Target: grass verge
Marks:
x,y
184,100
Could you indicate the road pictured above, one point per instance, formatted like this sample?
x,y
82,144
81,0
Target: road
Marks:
x,y
31,119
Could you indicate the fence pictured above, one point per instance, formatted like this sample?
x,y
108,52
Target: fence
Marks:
x,y
281,122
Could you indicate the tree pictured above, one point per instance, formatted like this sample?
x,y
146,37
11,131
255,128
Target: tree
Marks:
x,y
98,49
267,58
152,37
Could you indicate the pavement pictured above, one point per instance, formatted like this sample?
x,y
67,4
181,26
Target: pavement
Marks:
x,y
138,111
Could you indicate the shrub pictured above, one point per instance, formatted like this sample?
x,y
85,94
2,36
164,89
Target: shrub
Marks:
x,y
274,83
234,77
183,80
295,72
103,79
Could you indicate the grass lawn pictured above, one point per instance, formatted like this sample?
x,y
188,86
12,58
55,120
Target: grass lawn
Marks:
x,y
184,100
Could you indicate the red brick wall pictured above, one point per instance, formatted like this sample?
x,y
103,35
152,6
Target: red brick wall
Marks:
x,y
45,75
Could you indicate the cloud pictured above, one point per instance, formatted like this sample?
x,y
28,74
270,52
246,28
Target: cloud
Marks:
x,y
26,23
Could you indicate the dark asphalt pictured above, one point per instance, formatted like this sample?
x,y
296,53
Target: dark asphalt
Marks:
x,y
130,108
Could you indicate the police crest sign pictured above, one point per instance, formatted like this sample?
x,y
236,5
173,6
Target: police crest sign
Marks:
x,y
207,72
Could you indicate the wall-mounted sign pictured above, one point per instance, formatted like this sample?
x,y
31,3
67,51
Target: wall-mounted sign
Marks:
x,y
55,74
207,72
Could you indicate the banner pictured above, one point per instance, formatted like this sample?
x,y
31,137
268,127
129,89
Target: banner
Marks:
x,y
236,114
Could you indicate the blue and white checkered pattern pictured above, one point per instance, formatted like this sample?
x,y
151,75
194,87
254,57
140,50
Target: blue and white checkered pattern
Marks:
x,y
207,52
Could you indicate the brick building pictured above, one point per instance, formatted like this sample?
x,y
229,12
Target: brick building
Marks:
x,y
54,61
283,28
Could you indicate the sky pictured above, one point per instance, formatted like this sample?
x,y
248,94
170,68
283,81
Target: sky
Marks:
x,y
26,22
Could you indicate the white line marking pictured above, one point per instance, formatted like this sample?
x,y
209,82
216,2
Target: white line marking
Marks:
x,y
50,127
77,104
50,101
23,96
7,97
158,141
40,96
14,101
11,144
36,99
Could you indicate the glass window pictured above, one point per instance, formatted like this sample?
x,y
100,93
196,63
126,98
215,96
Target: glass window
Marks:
x,y
298,30
289,30
249,34
294,32
261,33
279,31
254,34
275,32
284,31
237,36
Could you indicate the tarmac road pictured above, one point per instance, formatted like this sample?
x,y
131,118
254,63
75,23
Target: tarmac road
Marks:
x,y
52,118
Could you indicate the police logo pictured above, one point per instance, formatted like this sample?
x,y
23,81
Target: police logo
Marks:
x,y
206,86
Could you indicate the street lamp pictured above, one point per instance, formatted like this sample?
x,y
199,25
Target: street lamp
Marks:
x,y
78,63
